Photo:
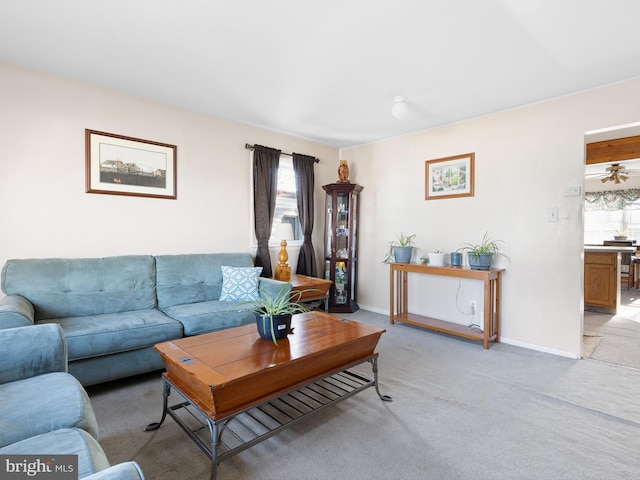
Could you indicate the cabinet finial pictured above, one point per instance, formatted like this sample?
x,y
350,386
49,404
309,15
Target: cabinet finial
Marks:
x,y
343,172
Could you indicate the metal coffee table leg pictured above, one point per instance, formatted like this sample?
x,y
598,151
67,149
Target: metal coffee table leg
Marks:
x,y
266,419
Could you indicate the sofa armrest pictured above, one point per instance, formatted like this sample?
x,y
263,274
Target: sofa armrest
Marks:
x,y
271,286
31,351
15,311
121,471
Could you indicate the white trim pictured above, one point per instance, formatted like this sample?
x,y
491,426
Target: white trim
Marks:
x,y
374,309
508,341
539,348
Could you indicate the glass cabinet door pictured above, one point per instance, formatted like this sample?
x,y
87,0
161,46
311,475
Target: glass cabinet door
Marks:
x,y
328,237
341,245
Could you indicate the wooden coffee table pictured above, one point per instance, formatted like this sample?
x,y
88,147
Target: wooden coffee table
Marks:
x,y
241,389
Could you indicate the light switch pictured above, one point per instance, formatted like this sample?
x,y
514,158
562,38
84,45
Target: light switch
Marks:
x,y
572,191
553,213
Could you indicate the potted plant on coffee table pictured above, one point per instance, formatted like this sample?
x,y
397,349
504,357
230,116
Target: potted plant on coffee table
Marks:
x,y
400,249
480,256
273,313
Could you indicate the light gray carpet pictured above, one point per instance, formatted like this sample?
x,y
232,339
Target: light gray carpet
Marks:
x,y
458,412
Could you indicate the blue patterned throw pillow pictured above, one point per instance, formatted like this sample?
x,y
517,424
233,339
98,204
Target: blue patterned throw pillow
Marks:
x,y
240,284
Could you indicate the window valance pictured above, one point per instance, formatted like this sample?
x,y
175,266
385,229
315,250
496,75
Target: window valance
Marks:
x,y
613,199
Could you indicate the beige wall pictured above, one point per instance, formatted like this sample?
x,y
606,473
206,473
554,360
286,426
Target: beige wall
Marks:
x,y
524,160
45,212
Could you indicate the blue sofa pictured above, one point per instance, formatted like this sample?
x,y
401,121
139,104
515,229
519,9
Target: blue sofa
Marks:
x,y
113,310
45,410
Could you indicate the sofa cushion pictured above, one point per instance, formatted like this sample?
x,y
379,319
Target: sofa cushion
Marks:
x,y
240,284
65,287
42,404
206,317
104,368
67,441
193,278
94,335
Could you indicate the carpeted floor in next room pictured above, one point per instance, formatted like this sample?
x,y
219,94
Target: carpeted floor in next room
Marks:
x,y
615,338
458,412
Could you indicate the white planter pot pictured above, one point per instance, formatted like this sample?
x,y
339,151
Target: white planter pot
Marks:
x,y
436,259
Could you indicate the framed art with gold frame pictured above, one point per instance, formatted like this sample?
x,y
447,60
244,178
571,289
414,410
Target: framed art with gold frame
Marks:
x,y
450,177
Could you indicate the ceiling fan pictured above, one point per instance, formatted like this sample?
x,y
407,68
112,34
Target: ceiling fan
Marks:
x,y
616,173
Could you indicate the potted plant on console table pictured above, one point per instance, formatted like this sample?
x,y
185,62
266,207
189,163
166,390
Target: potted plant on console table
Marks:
x,y
273,314
400,250
480,256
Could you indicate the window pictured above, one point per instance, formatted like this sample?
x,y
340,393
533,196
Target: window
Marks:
x,y
609,212
286,201
600,225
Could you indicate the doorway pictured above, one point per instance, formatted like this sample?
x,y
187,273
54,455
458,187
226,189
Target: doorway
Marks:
x,y
611,152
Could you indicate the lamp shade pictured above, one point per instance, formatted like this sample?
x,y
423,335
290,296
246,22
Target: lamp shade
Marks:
x,y
284,231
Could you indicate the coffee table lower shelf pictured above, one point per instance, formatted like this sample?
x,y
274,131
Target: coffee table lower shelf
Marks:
x,y
225,437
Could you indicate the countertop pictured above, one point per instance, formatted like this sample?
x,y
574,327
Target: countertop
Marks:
x,y
602,248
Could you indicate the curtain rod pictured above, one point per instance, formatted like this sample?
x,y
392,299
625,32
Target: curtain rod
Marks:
x,y
251,147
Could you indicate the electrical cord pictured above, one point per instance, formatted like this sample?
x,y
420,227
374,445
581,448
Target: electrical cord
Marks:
x,y
457,303
471,313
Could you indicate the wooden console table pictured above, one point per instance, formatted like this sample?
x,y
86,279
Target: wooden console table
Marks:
x,y
399,310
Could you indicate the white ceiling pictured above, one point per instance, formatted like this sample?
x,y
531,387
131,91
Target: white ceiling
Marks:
x,y
328,70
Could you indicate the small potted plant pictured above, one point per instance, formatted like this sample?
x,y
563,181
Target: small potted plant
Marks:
x,y
436,258
400,249
455,258
273,314
481,255
620,235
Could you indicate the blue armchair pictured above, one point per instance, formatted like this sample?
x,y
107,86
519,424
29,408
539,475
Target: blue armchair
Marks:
x,y
36,393
46,410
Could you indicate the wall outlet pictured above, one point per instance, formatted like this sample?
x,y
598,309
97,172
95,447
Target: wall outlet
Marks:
x,y
472,306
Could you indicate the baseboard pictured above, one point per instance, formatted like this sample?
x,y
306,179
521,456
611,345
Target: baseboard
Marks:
x,y
516,343
540,348
374,309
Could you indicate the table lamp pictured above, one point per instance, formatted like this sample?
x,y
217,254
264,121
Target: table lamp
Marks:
x,y
284,232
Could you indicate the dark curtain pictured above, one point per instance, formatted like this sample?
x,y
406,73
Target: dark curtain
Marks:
x,y
265,191
303,168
